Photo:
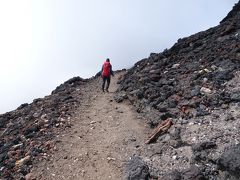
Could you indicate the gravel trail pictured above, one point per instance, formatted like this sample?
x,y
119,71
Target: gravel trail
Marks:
x,y
105,134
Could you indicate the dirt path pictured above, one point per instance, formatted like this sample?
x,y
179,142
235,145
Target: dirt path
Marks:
x,y
105,134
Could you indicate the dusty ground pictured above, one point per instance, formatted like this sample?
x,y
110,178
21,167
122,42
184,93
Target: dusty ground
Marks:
x,y
105,134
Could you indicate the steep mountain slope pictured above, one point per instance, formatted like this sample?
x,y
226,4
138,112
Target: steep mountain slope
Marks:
x,y
196,84
28,132
207,59
77,132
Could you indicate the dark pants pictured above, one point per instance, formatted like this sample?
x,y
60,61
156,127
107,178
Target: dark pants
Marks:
x,y
105,78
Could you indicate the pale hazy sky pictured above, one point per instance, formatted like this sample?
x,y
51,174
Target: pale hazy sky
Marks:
x,y
45,42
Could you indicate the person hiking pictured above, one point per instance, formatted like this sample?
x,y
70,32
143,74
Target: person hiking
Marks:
x,y
106,74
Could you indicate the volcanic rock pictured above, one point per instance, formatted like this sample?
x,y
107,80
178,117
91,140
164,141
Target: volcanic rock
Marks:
x,y
196,82
26,133
230,161
136,169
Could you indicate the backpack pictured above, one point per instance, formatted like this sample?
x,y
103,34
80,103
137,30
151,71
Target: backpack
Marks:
x,y
106,69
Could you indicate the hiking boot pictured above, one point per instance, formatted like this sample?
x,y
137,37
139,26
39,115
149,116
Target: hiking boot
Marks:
x,y
107,90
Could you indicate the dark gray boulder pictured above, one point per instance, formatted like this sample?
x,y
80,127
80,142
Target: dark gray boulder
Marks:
x,y
136,169
230,161
193,173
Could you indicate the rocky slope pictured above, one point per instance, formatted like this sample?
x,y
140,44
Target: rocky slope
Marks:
x,y
28,132
196,83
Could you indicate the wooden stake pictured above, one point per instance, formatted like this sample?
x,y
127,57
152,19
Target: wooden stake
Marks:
x,y
161,128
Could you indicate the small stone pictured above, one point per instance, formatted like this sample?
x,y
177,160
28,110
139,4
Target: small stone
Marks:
x,y
2,168
83,172
62,120
35,115
17,146
174,157
204,90
175,66
213,67
111,159
207,70
194,139
133,139
44,116
22,161
30,176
